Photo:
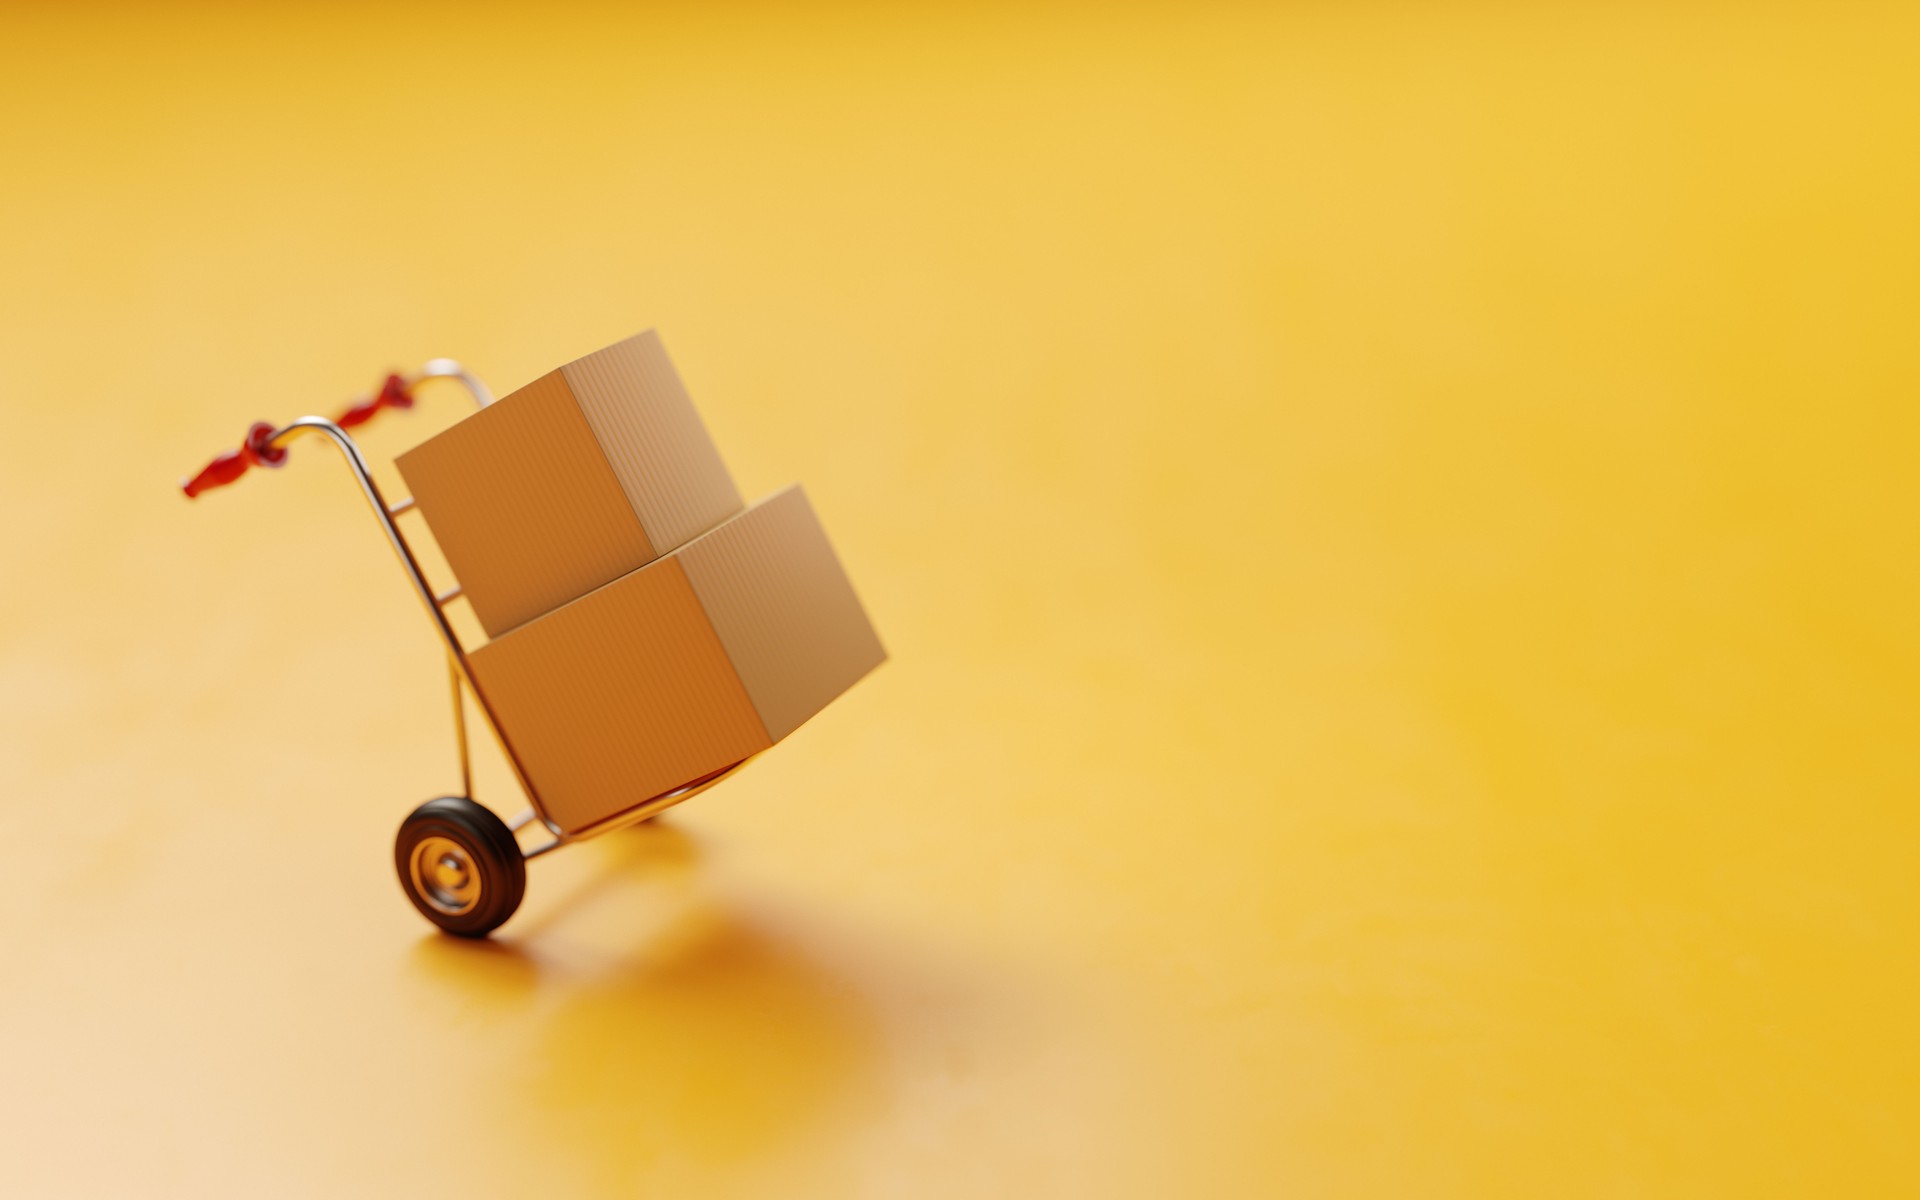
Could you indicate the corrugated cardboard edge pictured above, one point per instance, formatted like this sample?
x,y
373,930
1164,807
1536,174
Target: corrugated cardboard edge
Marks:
x,y
652,435
796,648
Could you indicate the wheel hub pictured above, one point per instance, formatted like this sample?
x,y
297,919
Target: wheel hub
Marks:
x,y
444,875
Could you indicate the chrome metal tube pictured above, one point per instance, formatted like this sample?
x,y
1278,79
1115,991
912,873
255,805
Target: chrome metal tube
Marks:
x,y
460,728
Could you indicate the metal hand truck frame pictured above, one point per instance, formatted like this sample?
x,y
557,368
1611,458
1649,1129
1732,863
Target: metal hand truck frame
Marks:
x,y
459,863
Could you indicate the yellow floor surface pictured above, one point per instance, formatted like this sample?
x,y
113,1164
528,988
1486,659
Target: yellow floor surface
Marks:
x,y
1394,526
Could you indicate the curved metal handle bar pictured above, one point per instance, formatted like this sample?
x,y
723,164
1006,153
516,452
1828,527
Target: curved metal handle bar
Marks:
x,y
274,446
447,368
270,445
260,449
363,475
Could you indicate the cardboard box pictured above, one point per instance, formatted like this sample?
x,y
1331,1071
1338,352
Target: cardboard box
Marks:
x,y
579,477
681,668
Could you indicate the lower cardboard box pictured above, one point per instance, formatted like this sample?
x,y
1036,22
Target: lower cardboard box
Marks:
x,y
689,664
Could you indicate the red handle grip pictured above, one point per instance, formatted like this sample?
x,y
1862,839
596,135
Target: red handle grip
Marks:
x,y
393,394
255,451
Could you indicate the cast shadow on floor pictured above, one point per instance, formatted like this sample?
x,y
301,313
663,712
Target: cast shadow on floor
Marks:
x,y
671,1030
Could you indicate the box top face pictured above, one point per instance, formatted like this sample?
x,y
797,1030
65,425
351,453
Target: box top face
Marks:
x,y
525,507
653,438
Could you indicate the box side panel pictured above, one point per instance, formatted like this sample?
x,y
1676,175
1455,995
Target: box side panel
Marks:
x,y
653,437
619,696
784,609
525,505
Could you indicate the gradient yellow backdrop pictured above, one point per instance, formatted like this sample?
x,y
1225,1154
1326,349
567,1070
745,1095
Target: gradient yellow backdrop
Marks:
x,y
1394,524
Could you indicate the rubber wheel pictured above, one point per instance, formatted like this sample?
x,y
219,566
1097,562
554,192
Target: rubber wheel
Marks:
x,y
460,866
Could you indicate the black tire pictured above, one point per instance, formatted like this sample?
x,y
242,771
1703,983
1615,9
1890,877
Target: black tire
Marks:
x,y
460,866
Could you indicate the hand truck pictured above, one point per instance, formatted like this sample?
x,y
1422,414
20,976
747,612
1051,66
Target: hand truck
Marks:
x,y
459,863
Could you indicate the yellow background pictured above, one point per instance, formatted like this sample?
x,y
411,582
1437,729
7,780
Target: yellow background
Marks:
x,y
1394,524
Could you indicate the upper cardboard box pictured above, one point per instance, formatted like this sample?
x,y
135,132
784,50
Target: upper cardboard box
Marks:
x,y
579,477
